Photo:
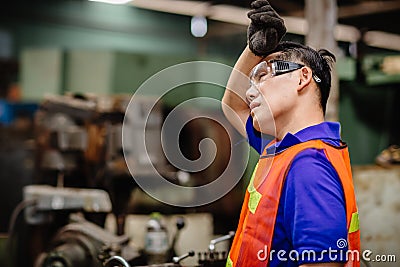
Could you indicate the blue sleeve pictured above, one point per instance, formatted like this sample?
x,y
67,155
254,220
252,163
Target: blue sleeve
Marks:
x,y
314,211
256,140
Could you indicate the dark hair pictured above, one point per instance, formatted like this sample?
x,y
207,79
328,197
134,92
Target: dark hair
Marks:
x,y
319,61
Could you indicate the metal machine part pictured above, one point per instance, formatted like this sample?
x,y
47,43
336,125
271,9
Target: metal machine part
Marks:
x,y
79,144
49,199
211,258
184,256
213,242
116,260
157,249
84,244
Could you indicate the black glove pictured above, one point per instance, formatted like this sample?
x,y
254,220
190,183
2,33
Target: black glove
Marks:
x,y
266,28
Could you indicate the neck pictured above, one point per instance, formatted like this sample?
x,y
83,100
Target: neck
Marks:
x,y
295,122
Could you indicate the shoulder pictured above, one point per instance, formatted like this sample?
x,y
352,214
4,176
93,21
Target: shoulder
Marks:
x,y
311,161
311,171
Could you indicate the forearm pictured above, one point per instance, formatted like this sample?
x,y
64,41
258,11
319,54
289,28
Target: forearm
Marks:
x,y
234,102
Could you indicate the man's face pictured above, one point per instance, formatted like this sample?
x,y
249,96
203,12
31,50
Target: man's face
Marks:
x,y
270,97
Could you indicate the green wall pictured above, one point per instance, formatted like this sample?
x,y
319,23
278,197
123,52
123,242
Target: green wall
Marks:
x,y
370,119
91,25
103,48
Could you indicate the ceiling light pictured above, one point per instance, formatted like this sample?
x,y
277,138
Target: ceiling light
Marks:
x,y
198,26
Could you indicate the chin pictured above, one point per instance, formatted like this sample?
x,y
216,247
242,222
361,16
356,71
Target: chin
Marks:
x,y
265,126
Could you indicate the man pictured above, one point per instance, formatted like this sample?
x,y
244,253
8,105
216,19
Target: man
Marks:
x,y
299,208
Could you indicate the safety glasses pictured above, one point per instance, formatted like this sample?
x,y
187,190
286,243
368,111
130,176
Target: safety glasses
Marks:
x,y
271,68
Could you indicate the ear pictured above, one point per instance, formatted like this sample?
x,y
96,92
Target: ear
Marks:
x,y
305,78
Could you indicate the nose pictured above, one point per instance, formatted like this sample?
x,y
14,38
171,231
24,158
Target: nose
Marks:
x,y
251,93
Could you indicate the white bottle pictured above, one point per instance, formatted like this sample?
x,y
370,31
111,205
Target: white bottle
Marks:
x,y
156,243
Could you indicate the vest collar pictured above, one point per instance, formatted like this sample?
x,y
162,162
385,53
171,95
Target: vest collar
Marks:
x,y
326,131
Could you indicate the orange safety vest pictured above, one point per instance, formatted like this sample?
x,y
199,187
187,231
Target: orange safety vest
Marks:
x,y
257,219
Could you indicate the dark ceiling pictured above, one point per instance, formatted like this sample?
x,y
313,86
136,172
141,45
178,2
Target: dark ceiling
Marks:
x,y
382,15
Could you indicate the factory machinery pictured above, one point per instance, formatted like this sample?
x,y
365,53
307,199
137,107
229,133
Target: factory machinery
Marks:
x,y
84,244
81,176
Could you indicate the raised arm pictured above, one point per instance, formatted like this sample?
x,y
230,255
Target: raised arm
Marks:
x,y
265,31
234,103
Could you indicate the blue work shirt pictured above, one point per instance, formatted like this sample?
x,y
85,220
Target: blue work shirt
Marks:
x,y
312,210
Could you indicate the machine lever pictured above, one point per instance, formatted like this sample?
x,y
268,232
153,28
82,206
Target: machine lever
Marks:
x,y
211,246
184,256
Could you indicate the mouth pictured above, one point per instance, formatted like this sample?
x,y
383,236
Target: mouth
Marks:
x,y
253,105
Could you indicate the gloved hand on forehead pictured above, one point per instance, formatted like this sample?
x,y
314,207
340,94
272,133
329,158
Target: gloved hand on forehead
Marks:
x,y
266,28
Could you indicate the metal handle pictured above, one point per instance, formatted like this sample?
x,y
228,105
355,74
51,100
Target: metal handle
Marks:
x,y
184,256
213,242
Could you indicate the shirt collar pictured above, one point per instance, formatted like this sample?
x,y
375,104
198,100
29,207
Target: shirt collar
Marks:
x,y
326,131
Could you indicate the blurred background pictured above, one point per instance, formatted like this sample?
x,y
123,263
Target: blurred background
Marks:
x,y
68,70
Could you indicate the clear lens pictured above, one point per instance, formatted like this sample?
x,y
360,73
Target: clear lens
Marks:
x,y
263,69
267,69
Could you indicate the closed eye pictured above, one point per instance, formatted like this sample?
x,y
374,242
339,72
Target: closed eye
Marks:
x,y
260,75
